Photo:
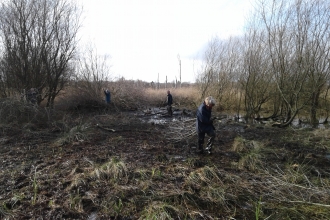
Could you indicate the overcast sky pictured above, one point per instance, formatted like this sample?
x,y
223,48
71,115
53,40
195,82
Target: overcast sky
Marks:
x,y
145,37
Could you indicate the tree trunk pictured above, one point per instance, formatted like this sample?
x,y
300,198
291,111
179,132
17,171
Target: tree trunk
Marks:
x,y
314,107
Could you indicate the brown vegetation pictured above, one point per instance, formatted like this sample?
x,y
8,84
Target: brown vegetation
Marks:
x,y
108,162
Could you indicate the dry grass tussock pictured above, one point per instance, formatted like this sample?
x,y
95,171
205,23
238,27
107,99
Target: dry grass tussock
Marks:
x,y
182,97
14,111
75,98
125,95
323,138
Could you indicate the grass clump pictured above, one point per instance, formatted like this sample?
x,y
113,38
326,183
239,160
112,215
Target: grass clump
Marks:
x,y
250,153
78,133
239,145
115,170
160,211
203,176
210,188
250,161
75,201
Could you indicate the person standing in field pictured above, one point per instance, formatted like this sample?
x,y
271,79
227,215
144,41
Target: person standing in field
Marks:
x,y
107,96
204,125
169,102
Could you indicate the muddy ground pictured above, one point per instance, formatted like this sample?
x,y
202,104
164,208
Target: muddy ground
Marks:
x,y
143,165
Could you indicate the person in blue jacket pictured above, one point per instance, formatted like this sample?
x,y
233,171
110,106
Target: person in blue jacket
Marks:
x,y
107,96
204,125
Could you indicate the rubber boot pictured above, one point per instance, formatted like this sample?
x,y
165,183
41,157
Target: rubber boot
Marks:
x,y
200,149
169,110
209,145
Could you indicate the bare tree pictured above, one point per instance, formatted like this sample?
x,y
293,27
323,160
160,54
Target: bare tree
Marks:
x,y
219,72
3,79
285,61
92,72
207,73
39,40
228,68
256,79
324,102
297,35
313,23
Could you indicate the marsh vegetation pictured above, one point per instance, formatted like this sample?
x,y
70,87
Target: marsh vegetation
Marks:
x,y
112,162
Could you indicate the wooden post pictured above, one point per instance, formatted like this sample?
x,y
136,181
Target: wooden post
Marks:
x,y
179,67
158,82
166,83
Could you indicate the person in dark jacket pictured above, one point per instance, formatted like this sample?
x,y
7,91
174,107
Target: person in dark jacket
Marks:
x,y
204,125
169,102
107,96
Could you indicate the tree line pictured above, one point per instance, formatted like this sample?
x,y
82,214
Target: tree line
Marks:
x,y
280,64
39,50
38,44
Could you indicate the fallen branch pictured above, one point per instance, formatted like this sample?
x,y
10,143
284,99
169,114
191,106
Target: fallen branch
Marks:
x,y
124,130
311,203
107,129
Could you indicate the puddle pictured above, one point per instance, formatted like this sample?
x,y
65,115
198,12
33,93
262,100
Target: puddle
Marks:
x,y
297,123
159,116
327,156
